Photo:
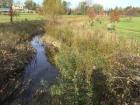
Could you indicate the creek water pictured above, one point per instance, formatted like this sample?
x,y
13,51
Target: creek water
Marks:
x,y
39,69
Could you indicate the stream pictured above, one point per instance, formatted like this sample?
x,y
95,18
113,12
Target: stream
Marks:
x,y
38,70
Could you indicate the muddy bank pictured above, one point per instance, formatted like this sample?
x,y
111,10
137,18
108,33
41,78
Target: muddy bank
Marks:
x,y
52,47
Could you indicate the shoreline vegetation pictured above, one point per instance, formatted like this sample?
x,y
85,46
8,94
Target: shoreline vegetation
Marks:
x,y
15,52
96,66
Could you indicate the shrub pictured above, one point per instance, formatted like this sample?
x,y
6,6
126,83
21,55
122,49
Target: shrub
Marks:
x,y
114,16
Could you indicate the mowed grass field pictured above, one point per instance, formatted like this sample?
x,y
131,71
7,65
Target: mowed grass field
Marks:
x,y
128,28
21,17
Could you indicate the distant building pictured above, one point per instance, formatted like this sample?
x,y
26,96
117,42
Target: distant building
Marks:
x,y
21,8
18,8
4,10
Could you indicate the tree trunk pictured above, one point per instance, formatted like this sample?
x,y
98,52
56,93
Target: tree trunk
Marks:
x,y
11,14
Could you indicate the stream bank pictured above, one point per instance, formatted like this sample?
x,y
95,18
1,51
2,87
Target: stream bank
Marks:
x,y
36,73
15,52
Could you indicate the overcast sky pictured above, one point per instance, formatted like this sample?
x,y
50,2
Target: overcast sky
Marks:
x,y
106,3
109,3
37,1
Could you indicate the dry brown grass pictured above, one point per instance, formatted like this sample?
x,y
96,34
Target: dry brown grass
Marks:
x,y
75,32
83,49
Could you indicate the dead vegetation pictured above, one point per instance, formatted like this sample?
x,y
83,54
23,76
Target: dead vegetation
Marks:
x,y
15,52
116,63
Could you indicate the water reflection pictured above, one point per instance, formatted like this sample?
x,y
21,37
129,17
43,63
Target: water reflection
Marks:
x,y
39,69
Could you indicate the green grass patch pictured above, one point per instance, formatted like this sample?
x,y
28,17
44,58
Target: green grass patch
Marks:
x,y
21,17
125,28
129,29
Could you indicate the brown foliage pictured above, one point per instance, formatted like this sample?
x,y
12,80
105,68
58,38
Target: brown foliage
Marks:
x,y
114,16
101,13
91,13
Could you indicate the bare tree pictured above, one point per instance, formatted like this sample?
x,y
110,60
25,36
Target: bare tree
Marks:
x,y
11,11
8,3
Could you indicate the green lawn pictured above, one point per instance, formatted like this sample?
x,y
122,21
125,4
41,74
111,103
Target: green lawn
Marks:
x,y
125,28
21,17
132,25
128,28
